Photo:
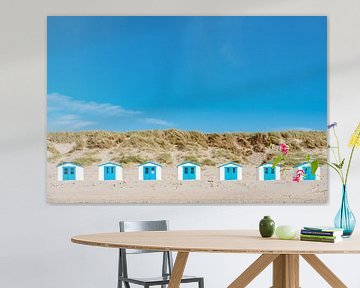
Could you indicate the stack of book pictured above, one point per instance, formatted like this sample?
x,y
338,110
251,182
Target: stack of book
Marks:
x,y
321,234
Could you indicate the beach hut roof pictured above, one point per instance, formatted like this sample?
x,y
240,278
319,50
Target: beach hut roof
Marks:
x,y
149,162
302,164
188,162
267,163
230,163
110,163
65,163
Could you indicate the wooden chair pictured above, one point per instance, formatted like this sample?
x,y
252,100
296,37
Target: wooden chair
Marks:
x,y
167,262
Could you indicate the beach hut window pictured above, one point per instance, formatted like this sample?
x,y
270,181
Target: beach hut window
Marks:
x,y
109,173
189,173
68,173
149,173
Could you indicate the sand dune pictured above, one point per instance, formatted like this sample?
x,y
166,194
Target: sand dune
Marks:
x,y
171,147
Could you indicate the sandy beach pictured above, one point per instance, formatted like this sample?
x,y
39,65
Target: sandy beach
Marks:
x,y
208,190
171,147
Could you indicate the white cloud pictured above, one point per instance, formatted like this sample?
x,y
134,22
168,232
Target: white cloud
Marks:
x,y
293,128
58,102
69,122
69,114
156,121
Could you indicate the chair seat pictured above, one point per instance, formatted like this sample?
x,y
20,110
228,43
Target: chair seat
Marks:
x,y
158,280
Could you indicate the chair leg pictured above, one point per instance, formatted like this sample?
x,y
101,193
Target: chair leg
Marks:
x,y
201,283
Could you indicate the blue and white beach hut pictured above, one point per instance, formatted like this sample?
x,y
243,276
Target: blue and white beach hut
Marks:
x,y
110,171
68,171
230,171
267,173
150,171
306,167
189,171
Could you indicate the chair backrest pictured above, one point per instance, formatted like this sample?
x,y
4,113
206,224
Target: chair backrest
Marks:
x,y
138,226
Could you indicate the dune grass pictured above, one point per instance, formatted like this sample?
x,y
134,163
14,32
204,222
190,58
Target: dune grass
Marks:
x,y
203,148
164,158
86,160
127,159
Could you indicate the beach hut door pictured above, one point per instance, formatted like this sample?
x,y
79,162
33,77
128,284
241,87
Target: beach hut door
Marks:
x,y
68,173
308,174
231,173
269,173
189,173
149,173
109,172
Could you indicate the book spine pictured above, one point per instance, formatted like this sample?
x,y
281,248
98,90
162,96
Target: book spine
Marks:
x,y
318,236
317,239
319,233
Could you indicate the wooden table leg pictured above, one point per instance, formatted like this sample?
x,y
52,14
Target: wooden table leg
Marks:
x,y
253,270
324,271
293,264
286,271
178,269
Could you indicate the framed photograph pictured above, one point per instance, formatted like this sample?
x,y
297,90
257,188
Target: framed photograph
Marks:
x,y
186,109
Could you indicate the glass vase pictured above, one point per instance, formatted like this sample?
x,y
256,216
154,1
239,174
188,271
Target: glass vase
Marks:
x,y
345,219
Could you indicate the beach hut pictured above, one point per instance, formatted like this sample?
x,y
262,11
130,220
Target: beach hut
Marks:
x,y
150,171
188,171
110,171
68,171
306,167
267,173
230,171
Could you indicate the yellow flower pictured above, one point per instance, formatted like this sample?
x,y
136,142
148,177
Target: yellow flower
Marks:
x,y
355,138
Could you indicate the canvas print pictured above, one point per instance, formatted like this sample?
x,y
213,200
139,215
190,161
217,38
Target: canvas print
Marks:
x,y
165,109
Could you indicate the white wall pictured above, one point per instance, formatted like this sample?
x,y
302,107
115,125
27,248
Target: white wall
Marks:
x,y
35,243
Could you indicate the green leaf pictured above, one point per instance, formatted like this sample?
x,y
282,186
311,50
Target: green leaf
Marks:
x,y
342,164
277,161
336,165
314,166
308,158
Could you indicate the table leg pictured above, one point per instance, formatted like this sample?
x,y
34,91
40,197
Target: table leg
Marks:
x,y
253,270
324,271
286,271
178,269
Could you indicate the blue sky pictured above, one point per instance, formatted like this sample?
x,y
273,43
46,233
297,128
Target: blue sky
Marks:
x,y
210,74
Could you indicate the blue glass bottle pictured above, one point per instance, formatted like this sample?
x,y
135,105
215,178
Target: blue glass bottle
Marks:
x,y
345,219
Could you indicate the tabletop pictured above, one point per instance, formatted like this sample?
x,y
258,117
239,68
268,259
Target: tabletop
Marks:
x,y
216,241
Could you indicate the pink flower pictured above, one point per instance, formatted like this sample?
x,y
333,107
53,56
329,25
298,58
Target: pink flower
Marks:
x,y
284,148
299,175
